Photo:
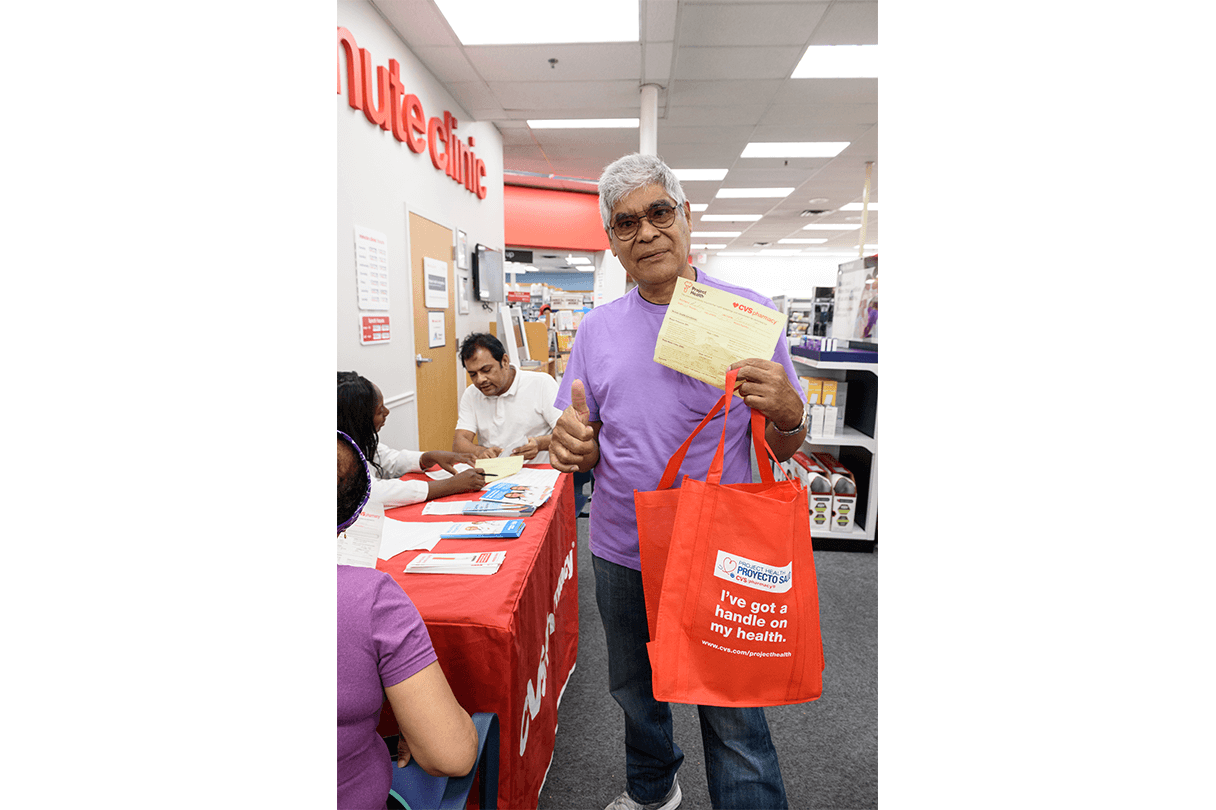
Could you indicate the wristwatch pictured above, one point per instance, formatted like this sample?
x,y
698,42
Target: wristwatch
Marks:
x,y
804,424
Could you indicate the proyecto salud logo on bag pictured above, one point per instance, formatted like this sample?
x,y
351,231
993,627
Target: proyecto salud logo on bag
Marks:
x,y
758,575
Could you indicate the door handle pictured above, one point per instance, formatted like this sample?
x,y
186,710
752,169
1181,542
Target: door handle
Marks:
x,y
419,360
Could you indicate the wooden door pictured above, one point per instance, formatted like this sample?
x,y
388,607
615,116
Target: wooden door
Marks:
x,y
436,380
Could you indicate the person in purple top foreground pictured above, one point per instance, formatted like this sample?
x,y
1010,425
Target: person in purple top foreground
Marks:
x,y
625,415
384,650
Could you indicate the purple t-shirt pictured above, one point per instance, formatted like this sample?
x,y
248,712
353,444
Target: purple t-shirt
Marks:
x,y
648,410
381,642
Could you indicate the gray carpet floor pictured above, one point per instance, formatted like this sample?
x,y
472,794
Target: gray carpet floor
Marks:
x,y
828,748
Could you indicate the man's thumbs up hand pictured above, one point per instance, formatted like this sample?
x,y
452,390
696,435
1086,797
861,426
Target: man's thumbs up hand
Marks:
x,y
573,446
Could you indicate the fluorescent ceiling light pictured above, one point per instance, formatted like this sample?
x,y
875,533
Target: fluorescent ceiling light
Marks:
x,y
838,62
583,123
873,206
731,217
492,22
699,206
806,149
780,252
801,241
754,192
825,226
585,269
707,247
717,234
577,260
684,175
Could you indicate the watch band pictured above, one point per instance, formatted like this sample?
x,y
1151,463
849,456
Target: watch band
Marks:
x,y
804,424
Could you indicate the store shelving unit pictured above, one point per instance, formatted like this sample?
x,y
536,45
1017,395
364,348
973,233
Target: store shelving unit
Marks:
x,y
856,448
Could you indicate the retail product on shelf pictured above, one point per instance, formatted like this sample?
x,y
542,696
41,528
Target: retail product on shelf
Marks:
x,y
817,481
826,351
844,492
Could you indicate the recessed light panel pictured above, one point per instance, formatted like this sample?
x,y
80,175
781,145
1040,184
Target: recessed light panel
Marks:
x,y
754,192
801,241
493,22
804,149
583,123
838,62
686,175
731,217
824,226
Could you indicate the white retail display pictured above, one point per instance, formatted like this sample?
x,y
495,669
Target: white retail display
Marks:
x,y
857,446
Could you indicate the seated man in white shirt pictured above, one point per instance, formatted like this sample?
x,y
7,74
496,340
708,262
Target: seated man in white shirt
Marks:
x,y
504,405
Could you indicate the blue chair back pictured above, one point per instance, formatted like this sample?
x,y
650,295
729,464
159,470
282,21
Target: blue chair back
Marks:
x,y
418,790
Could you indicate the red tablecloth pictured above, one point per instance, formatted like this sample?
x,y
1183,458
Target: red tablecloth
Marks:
x,y
507,642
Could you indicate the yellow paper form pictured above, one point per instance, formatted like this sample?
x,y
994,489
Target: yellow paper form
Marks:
x,y
706,330
500,467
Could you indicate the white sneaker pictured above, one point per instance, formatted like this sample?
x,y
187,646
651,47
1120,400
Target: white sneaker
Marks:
x,y
669,802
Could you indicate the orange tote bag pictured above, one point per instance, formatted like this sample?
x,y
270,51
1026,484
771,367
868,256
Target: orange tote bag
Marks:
x,y
736,618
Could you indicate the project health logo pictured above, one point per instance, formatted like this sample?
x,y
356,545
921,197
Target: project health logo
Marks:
x,y
752,574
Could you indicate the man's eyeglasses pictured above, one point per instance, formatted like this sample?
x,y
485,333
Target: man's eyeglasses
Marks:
x,y
661,215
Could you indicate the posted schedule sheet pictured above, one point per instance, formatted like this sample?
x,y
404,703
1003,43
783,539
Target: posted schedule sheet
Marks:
x,y
706,330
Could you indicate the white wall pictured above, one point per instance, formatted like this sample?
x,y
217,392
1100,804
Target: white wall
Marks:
x,y
795,276
379,180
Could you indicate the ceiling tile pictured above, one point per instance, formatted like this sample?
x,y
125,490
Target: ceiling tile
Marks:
x,y
713,116
761,24
448,64
806,92
418,22
853,23
659,20
658,62
736,63
565,96
820,114
530,63
724,93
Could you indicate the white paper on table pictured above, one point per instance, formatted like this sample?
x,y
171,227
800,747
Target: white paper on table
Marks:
x,y
536,477
445,507
359,545
401,535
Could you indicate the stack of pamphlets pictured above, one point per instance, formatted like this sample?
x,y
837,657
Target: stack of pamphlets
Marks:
x,y
507,492
482,508
483,529
479,563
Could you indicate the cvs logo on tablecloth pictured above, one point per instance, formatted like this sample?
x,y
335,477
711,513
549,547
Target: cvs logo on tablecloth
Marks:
x,y
533,697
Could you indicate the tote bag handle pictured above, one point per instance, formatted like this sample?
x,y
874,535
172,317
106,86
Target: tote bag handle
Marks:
x,y
715,469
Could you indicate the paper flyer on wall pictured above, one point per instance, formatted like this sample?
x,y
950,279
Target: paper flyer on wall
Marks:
x,y
371,268
706,330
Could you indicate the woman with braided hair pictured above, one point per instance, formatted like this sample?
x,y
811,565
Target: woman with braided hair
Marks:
x,y
385,651
361,414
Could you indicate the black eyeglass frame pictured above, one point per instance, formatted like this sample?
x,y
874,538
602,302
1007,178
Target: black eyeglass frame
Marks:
x,y
648,216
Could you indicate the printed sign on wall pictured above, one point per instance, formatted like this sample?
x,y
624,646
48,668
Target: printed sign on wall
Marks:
x,y
436,276
373,329
371,268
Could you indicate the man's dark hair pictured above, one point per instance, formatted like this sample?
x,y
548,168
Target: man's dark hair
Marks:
x,y
352,482
485,341
356,412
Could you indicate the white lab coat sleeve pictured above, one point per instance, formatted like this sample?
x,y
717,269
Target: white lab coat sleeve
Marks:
x,y
397,463
394,492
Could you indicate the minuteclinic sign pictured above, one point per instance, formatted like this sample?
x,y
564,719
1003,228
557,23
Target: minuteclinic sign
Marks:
x,y
380,95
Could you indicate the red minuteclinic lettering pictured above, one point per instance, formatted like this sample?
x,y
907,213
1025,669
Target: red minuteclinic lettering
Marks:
x,y
381,96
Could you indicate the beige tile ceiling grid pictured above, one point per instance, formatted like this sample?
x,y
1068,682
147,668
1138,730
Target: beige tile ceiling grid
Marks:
x,y
723,69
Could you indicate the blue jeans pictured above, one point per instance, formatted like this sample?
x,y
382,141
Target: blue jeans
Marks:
x,y
740,761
